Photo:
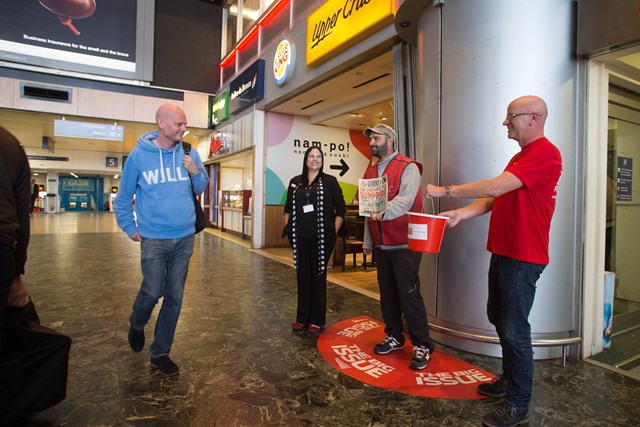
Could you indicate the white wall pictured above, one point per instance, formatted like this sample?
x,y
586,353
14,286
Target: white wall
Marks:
x,y
104,104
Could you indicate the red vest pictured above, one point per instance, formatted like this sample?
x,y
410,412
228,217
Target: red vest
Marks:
x,y
393,232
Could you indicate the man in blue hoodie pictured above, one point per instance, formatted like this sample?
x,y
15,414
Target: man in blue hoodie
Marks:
x,y
163,179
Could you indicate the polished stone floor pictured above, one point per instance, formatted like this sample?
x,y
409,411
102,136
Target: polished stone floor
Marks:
x,y
240,363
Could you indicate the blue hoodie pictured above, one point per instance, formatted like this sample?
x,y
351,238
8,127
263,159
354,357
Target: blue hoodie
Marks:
x,y
163,194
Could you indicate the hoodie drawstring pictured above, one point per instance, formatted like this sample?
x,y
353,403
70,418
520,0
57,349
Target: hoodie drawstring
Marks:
x,y
162,171
163,178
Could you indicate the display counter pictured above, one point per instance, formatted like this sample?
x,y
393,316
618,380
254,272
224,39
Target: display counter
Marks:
x,y
234,211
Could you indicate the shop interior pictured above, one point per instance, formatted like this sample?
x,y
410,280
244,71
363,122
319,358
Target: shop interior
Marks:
x,y
622,240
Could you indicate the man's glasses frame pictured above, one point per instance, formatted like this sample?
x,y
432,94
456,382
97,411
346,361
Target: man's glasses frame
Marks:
x,y
512,116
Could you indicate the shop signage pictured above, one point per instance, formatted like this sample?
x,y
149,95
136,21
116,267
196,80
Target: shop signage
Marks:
x,y
625,178
89,130
219,109
111,162
51,158
339,24
247,88
284,62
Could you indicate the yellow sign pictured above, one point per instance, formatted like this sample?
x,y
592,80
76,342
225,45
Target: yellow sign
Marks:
x,y
339,24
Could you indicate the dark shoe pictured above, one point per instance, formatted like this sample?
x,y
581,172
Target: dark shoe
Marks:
x,y
496,388
298,326
421,356
388,345
165,365
136,340
506,416
315,329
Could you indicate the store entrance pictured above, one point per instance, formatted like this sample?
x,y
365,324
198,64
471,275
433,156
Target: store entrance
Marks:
x,y
622,243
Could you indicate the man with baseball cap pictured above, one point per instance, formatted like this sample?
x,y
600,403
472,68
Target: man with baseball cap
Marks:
x,y
397,266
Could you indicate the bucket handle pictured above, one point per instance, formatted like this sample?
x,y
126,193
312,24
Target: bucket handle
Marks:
x,y
433,207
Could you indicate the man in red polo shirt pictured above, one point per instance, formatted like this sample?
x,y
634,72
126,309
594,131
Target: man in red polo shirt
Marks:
x,y
521,201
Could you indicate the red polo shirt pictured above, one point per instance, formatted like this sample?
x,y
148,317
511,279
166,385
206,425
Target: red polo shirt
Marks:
x,y
521,219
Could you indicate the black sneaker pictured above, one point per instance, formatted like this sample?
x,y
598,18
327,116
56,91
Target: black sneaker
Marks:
x,y
388,345
165,365
421,356
496,388
136,340
506,416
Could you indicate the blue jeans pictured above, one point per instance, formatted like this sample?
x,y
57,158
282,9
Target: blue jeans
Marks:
x,y
165,263
512,288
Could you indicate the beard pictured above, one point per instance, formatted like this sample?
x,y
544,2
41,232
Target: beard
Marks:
x,y
379,152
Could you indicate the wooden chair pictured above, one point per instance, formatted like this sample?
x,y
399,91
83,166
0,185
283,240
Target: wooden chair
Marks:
x,y
350,240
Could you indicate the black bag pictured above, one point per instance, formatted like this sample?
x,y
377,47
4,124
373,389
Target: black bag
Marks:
x,y
33,366
201,222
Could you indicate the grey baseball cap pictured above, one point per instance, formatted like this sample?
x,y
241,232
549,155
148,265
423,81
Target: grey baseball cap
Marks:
x,y
383,130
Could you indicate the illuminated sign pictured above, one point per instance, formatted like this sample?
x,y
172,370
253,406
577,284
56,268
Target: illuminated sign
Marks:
x,y
219,109
248,87
339,24
284,62
88,130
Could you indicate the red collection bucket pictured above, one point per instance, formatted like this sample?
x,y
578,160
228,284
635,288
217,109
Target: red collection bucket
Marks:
x,y
426,232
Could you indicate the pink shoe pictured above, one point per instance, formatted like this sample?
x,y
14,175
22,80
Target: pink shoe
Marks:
x,y
315,329
298,326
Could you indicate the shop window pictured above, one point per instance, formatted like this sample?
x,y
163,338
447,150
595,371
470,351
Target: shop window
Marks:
x,y
250,14
231,32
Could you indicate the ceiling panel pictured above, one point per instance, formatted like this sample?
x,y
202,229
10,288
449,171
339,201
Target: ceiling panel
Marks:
x,y
355,99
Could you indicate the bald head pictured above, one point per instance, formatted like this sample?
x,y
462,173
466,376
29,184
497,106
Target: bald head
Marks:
x,y
525,119
172,124
535,105
166,109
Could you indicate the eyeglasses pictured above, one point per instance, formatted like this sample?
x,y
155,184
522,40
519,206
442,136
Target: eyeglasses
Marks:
x,y
512,116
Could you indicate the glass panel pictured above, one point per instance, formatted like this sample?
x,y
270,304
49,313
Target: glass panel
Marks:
x,y
266,4
231,12
623,210
250,13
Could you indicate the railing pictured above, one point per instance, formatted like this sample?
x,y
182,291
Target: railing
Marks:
x,y
553,342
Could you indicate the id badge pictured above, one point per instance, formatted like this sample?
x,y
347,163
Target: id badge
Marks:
x,y
307,208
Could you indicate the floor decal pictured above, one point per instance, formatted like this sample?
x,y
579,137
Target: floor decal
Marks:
x,y
348,347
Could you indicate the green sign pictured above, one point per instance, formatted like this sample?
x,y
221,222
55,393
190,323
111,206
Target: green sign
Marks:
x,y
219,108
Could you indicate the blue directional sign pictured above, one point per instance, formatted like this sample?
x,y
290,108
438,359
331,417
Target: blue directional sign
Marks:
x,y
88,130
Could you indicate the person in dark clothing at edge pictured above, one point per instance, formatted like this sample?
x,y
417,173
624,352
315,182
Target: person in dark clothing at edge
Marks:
x,y
15,200
397,266
521,200
314,212
33,359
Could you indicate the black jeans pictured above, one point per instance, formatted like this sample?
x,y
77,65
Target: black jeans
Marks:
x,y
399,282
312,287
